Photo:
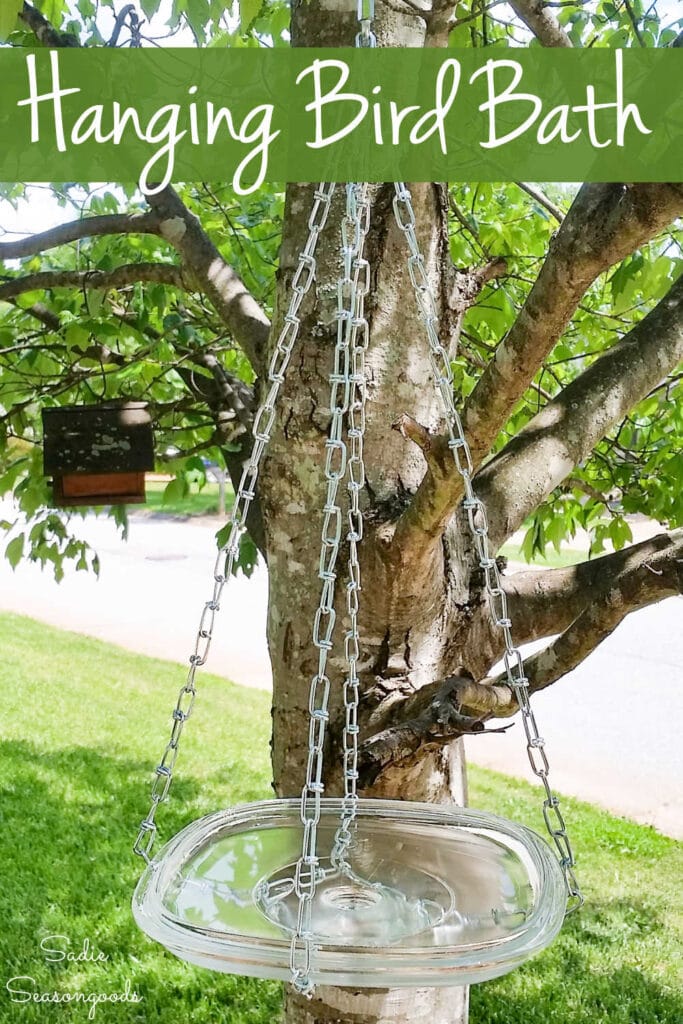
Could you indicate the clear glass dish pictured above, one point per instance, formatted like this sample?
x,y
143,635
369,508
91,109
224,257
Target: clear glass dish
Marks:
x,y
429,896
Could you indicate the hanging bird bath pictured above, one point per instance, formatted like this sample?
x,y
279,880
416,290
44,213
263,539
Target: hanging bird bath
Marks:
x,y
430,897
353,891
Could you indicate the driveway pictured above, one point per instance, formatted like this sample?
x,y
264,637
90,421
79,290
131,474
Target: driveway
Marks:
x,y
613,726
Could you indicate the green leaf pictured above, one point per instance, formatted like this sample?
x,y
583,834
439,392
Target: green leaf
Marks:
x,y
9,12
555,532
95,300
12,474
223,535
620,533
172,322
76,336
195,472
248,11
248,555
150,7
175,491
15,550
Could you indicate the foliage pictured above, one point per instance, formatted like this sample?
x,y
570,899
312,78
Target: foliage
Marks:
x,y
613,23
620,23
76,750
133,343
142,341
637,468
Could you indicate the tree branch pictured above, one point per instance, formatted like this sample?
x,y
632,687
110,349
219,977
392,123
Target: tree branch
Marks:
x,y
544,603
171,220
44,32
39,311
609,589
567,429
234,303
119,23
541,198
604,224
541,22
584,602
634,21
431,716
86,227
229,295
120,277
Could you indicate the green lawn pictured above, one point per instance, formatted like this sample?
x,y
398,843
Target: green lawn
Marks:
x,y
83,722
552,558
196,503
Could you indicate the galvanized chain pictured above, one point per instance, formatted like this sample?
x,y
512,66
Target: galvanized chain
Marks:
x,y
476,515
351,290
229,552
359,339
366,15
349,375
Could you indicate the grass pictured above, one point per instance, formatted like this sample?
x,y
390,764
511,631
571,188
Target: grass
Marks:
x,y
84,721
196,503
552,558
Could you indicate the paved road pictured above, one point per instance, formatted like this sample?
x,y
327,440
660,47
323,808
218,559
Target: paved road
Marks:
x,y
613,726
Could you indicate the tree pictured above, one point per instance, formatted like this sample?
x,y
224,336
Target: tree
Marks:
x,y
564,318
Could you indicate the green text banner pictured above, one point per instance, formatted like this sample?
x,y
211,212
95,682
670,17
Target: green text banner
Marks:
x,y
247,116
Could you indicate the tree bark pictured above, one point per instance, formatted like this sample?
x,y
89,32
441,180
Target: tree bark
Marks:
x,y
401,634
402,627
542,22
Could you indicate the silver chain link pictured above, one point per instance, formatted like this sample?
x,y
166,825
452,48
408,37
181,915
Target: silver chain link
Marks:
x,y
347,386
229,552
359,339
349,374
476,515
366,15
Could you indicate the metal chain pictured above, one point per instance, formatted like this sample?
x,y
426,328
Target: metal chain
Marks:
x,y
351,290
349,375
229,552
366,15
359,339
476,515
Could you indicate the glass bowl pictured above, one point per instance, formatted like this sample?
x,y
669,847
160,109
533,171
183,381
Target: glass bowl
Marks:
x,y
428,895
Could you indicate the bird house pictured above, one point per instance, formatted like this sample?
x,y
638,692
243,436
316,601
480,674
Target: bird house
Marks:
x,y
98,454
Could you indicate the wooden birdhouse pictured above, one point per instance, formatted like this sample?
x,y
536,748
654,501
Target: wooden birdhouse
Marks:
x,y
98,454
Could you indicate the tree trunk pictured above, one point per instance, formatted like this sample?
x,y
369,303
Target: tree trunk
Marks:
x,y
405,611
